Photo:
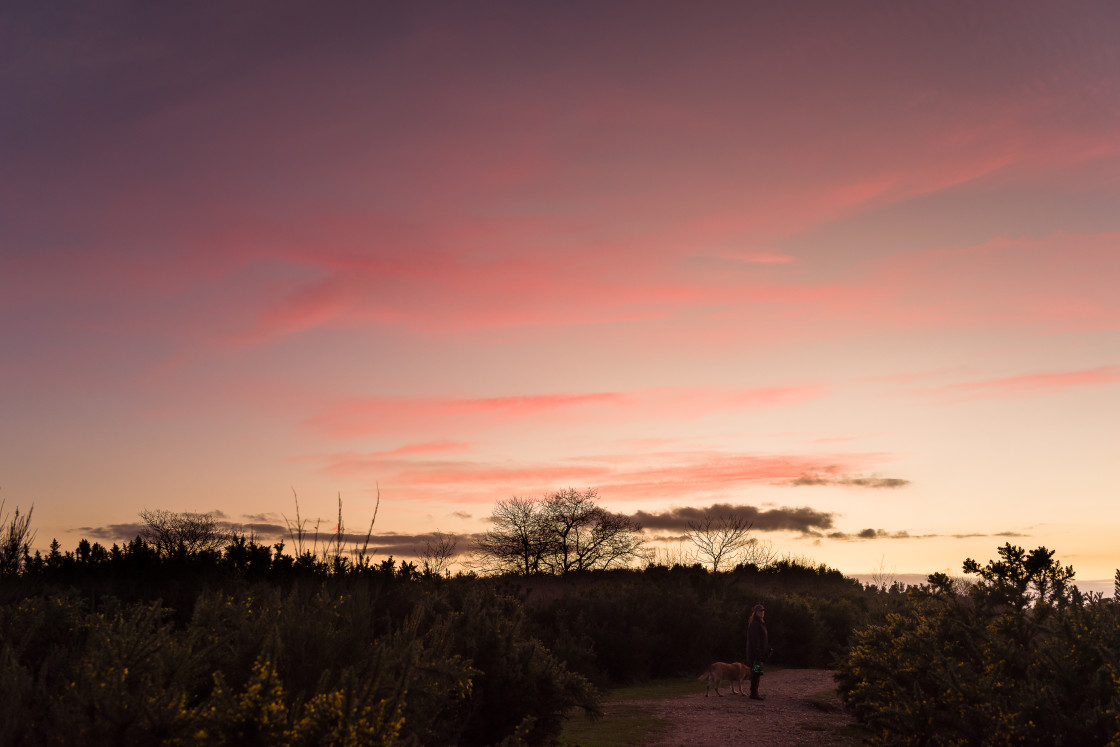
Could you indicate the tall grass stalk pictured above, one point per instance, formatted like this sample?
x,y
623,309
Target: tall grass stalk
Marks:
x,y
296,530
333,551
365,545
15,540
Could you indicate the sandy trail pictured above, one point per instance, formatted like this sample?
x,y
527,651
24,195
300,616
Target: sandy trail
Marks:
x,y
800,708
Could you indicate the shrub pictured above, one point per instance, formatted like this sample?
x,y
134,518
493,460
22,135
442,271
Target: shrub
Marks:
x,y
1020,657
521,689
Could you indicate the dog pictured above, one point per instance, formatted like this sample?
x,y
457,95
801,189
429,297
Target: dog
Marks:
x,y
734,673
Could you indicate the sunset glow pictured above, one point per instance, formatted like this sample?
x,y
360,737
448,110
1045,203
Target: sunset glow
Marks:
x,y
850,268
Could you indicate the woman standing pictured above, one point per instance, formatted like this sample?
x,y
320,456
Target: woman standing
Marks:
x,y
758,642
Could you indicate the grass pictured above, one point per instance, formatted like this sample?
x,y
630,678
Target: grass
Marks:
x,y
626,723
623,724
827,701
655,690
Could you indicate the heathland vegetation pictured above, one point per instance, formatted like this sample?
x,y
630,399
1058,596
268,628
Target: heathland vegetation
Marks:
x,y
191,634
1021,656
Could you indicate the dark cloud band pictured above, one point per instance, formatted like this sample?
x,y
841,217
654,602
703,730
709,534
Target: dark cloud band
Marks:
x,y
801,519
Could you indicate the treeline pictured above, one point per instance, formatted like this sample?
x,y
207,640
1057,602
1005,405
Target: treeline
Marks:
x,y
179,643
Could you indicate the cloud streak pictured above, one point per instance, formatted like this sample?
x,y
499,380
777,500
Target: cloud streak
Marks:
x,y
851,481
362,416
881,534
1027,384
624,476
371,415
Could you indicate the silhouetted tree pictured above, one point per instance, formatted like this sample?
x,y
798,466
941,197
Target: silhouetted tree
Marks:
x,y
584,536
518,541
721,540
438,553
174,533
564,532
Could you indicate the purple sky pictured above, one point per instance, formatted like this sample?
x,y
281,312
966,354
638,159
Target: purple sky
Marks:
x,y
856,262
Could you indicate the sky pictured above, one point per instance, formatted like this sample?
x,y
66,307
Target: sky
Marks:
x,y
846,269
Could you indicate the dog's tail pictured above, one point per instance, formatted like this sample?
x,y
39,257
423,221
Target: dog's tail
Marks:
x,y
704,676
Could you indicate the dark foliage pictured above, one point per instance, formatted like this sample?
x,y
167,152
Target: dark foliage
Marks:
x,y
625,626
1020,657
135,645
247,644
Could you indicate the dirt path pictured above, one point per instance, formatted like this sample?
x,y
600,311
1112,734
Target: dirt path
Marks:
x,y
800,708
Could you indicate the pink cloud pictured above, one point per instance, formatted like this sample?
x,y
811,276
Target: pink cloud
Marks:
x,y
438,293
456,480
774,395
431,447
686,476
614,259
1062,279
477,476
722,474
361,416
767,258
1027,384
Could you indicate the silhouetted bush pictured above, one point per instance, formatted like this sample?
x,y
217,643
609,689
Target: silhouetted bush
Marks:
x,y
1020,657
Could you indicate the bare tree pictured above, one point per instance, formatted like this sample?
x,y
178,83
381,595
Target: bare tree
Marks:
x,y
186,533
760,553
517,543
721,540
883,579
584,535
667,557
562,533
439,552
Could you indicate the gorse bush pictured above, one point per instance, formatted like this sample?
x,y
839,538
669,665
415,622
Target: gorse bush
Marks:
x,y
1019,657
72,674
338,661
